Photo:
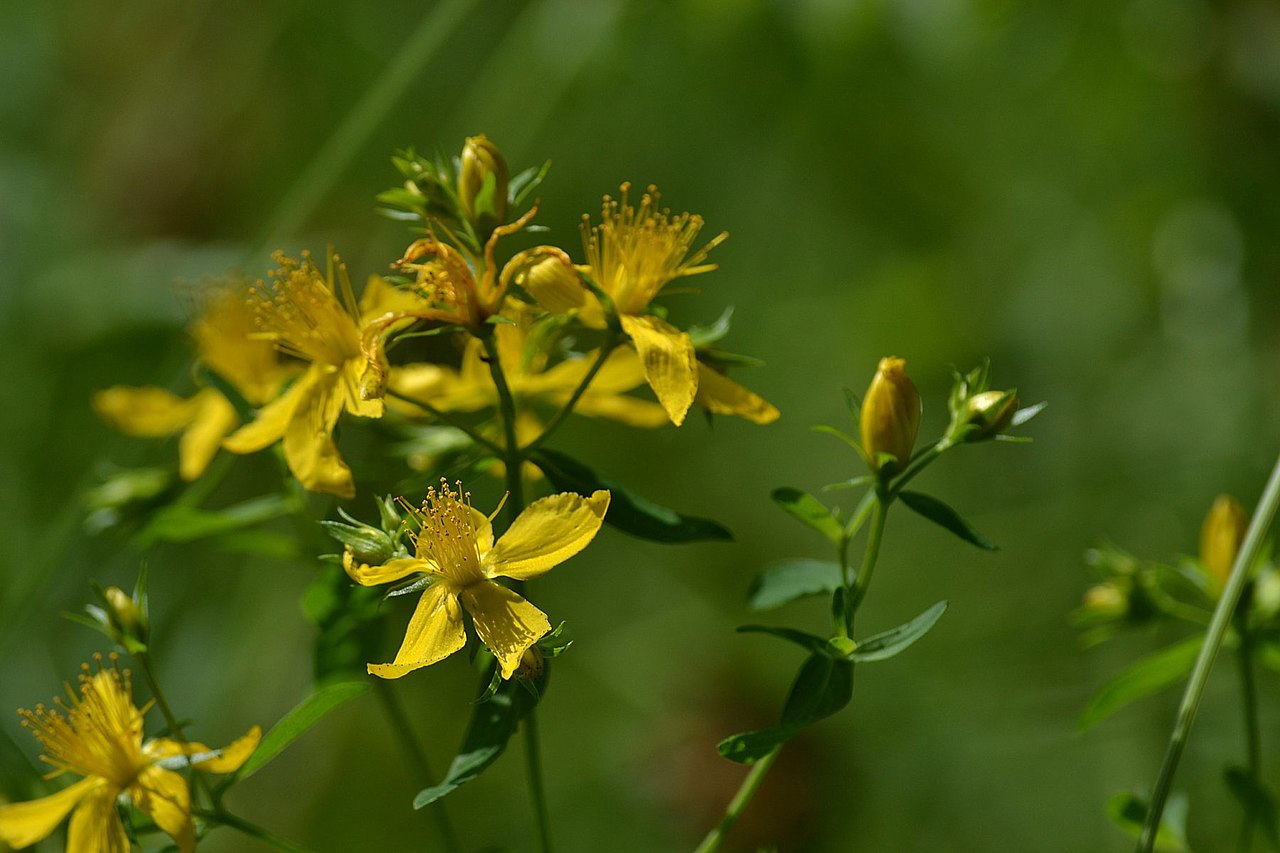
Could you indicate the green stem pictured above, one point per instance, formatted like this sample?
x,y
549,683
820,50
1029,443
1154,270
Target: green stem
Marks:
x,y
448,419
874,536
739,802
1253,739
537,793
418,758
1258,526
261,833
143,660
605,351
920,463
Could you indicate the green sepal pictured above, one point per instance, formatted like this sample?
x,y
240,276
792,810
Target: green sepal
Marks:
x,y
524,183
851,483
789,580
827,429
946,517
1145,677
1025,414
703,336
890,643
492,724
811,511
294,724
810,642
1129,812
1257,799
822,687
853,402
628,511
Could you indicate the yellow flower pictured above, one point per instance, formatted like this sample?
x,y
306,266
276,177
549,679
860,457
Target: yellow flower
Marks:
x,y
1221,537
314,317
98,735
223,344
890,415
456,551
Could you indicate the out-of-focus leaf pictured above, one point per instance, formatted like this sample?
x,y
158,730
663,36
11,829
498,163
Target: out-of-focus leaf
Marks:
x,y
810,642
788,580
1257,800
628,511
810,510
180,523
1147,676
889,643
822,687
294,724
944,516
493,722
1129,812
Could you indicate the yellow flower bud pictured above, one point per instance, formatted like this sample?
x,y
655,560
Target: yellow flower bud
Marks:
x,y
990,412
890,415
1221,537
482,163
1105,599
554,283
126,618
531,664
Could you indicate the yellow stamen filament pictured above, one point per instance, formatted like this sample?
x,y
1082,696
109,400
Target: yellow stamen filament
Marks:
x,y
303,315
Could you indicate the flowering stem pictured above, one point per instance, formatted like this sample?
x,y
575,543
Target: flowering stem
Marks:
x,y
418,757
874,537
261,833
1258,526
533,763
1253,745
605,351
739,802
446,418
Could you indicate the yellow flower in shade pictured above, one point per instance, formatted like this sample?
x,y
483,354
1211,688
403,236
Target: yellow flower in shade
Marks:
x,y
455,549
1221,537
890,415
314,317
223,345
632,255
98,735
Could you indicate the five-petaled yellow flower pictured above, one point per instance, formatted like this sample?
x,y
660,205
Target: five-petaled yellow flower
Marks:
x,y
455,549
98,735
223,345
314,317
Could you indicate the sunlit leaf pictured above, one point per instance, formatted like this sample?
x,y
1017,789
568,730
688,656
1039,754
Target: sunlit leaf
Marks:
x,y
810,510
294,724
810,642
1147,676
886,644
822,687
946,517
789,580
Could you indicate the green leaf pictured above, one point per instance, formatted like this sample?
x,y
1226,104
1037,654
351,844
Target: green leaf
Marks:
x,y
811,642
944,516
822,687
788,580
1256,799
889,643
1144,678
493,722
628,511
295,723
1129,812
179,523
704,336
1021,416
811,511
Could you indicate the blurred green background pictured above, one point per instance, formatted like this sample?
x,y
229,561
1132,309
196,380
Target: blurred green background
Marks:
x,y
1089,193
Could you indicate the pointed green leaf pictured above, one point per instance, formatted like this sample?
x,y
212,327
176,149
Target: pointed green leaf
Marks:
x,y
628,511
1021,416
788,580
1256,798
293,724
886,644
810,510
811,642
704,336
822,687
944,516
493,722
1146,677
1129,812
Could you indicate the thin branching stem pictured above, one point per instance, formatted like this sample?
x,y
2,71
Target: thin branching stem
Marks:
x,y
449,419
739,802
252,829
605,351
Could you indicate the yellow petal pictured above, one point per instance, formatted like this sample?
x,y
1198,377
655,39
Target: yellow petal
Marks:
x,y
722,396
225,760
631,411
95,824
389,572
382,297
670,365
164,796
214,419
352,371
23,824
434,633
147,412
548,532
308,440
506,623
269,426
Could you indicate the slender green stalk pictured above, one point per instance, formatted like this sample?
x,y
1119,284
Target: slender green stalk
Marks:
x,y
605,351
418,758
537,793
739,802
1252,735
874,536
252,829
1258,526
448,419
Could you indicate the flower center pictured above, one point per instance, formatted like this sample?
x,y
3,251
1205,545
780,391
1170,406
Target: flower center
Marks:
x,y
301,313
448,536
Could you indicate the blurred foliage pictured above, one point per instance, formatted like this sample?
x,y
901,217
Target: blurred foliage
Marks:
x,y
1086,193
